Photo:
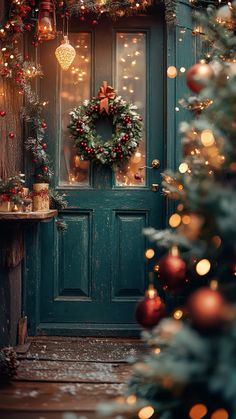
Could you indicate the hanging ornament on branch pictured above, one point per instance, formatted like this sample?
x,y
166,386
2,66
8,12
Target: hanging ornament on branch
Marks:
x,y
172,271
151,309
207,308
198,75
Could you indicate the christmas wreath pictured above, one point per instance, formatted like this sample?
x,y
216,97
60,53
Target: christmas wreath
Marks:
x,y
126,122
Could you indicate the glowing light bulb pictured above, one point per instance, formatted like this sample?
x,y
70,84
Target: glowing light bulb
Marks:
x,y
171,72
178,314
198,411
207,138
183,167
137,157
146,412
174,220
149,254
65,54
203,267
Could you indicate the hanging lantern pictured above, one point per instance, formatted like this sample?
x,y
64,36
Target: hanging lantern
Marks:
x,y
46,20
65,54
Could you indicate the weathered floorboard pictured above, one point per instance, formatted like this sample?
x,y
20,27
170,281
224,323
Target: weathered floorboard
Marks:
x,y
84,349
76,397
66,378
64,371
50,415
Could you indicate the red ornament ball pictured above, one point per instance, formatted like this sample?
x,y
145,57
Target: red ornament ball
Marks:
x,y
206,308
43,125
2,113
44,145
11,135
45,169
137,176
198,75
172,271
150,310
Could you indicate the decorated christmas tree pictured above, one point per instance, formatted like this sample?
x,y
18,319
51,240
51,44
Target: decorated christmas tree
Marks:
x,y
189,370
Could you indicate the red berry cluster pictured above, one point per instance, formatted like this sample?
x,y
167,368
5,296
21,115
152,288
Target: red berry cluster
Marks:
x,y
112,109
127,120
125,138
79,127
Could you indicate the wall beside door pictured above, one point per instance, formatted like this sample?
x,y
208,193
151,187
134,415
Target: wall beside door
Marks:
x,y
11,241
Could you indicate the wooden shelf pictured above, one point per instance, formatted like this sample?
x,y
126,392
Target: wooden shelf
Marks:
x,y
28,216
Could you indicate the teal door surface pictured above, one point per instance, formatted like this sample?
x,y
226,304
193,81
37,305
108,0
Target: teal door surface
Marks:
x,y
91,277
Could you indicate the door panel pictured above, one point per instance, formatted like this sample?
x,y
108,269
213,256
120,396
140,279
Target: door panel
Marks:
x,y
93,275
74,255
128,276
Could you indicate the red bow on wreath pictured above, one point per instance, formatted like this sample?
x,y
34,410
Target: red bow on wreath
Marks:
x,y
105,93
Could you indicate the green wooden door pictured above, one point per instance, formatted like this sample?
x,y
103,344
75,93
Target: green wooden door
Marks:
x,y
92,276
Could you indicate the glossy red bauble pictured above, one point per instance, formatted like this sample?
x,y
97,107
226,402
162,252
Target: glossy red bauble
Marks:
x,y
2,113
43,125
149,311
206,308
172,272
198,75
11,135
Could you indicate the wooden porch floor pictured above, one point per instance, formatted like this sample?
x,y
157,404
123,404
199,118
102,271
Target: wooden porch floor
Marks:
x,y
59,375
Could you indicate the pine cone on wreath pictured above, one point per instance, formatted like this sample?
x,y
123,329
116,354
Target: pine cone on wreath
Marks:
x,y
8,364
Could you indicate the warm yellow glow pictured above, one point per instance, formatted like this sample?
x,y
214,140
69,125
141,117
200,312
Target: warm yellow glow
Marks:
x,y
65,54
178,314
157,351
137,157
174,251
156,268
146,412
217,241
198,411
186,219
207,138
131,399
182,69
214,285
175,220
220,414
171,72
149,254
183,167
151,292
203,267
